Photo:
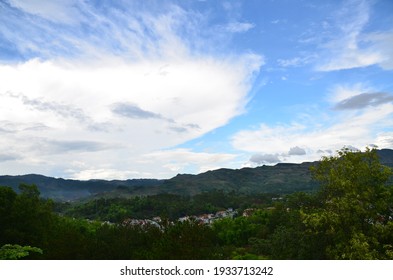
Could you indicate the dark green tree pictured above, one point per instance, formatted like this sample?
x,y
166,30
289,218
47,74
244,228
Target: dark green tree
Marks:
x,y
7,200
187,240
32,217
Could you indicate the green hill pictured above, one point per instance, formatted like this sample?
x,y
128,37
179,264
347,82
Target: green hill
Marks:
x,y
279,179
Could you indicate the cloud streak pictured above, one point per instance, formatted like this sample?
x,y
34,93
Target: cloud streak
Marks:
x,y
350,46
364,100
238,27
65,111
57,11
132,111
56,146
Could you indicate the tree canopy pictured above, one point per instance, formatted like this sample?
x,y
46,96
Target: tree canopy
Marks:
x,y
355,206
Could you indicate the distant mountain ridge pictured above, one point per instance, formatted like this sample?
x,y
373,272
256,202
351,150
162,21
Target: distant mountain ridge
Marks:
x,y
281,178
67,189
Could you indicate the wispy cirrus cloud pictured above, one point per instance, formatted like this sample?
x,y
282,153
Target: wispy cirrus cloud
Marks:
x,y
350,46
127,30
291,62
64,11
238,27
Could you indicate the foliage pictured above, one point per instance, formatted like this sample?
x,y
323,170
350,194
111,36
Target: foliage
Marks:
x,y
16,252
238,231
24,215
169,205
354,202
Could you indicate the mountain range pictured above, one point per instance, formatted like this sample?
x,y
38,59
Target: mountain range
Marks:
x,y
278,179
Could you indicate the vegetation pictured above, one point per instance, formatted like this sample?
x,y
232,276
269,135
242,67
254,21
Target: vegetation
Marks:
x,y
349,217
16,252
170,206
279,179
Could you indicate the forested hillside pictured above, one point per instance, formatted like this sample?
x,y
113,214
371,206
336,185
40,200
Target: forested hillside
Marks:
x,y
283,178
349,217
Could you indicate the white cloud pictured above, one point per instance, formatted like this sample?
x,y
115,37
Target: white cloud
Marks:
x,y
186,160
348,59
382,42
339,93
74,102
132,86
293,62
239,27
87,174
129,31
350,46
56,11
328,131
297,61
384,140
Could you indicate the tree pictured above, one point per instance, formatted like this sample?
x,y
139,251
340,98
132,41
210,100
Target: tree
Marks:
x,y
355,204
7,200
31,218
187,240
15,252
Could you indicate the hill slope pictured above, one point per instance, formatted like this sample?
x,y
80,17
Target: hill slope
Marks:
x,y
279,179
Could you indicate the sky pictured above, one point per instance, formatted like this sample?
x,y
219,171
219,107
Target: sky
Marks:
x,y
149,89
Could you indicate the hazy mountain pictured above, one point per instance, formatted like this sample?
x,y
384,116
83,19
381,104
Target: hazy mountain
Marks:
x,y
62,189
281,178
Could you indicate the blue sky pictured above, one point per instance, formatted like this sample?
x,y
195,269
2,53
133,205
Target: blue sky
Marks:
x,y
150,89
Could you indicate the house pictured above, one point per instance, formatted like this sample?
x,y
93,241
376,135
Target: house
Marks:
x,y
248,212
142,223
